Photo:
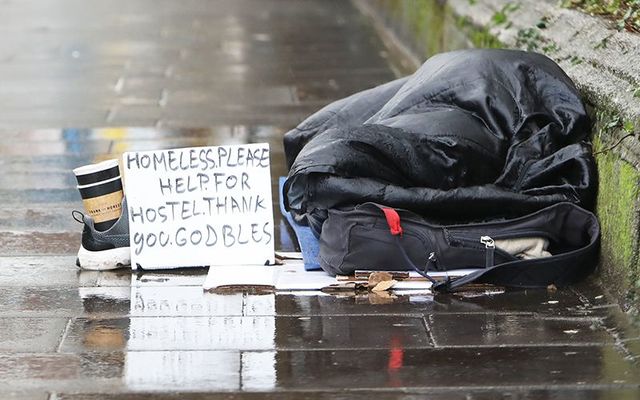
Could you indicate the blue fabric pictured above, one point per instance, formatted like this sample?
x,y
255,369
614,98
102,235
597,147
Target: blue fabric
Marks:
x,y
309,244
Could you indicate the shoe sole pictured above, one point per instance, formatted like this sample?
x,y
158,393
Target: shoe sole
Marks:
x,y
104,260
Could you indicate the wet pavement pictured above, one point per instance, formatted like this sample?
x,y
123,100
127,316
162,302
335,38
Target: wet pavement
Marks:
x,y
84,82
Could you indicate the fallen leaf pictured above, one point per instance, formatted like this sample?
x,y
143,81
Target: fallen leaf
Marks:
x,y
384,285
376,277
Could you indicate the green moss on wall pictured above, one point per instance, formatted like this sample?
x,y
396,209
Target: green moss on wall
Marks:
x,y
426,26
434,26
478,36
617,210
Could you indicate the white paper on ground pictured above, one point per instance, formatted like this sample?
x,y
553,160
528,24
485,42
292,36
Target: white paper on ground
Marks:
x,y
293,277
453,273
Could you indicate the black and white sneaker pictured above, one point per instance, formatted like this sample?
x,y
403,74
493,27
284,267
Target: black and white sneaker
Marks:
x,y
104,250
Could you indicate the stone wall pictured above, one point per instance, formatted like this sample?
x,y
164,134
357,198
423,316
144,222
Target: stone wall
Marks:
x,y
603,62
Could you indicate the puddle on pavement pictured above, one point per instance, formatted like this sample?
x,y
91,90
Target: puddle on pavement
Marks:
x,y
154,331
169,333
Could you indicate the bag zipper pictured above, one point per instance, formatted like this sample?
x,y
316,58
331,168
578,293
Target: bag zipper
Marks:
x,y
482,242
490,247
473,235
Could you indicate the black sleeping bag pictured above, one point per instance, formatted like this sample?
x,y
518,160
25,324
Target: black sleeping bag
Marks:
x,y
472,135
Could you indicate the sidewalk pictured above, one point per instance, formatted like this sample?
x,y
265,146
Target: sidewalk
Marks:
x,y
150,74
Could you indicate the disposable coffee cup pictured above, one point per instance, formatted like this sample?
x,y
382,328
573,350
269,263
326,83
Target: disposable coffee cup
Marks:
x,y
100,187
96,173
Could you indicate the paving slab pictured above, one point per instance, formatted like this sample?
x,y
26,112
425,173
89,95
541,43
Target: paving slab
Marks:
x,y
29,395
50,301
42,271
51,371
514,330
28,243
25,335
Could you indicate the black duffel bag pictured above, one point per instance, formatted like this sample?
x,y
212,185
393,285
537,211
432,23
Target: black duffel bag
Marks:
x,y
374,237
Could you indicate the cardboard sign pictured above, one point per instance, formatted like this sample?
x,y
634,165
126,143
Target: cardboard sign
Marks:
x,y
200,206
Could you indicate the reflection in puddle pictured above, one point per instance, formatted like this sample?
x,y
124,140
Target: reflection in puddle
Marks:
x,y
181,301
193,370
99,336
101,300
160,370
177,336
195,327
258,371
201,333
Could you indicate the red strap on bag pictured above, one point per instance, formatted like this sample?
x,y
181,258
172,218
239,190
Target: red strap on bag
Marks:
x,y
393,220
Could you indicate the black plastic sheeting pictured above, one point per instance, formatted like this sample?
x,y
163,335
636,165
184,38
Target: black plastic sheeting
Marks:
x,y
472,135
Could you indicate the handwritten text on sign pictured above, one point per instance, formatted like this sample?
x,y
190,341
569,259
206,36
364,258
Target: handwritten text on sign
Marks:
x,y
199,206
